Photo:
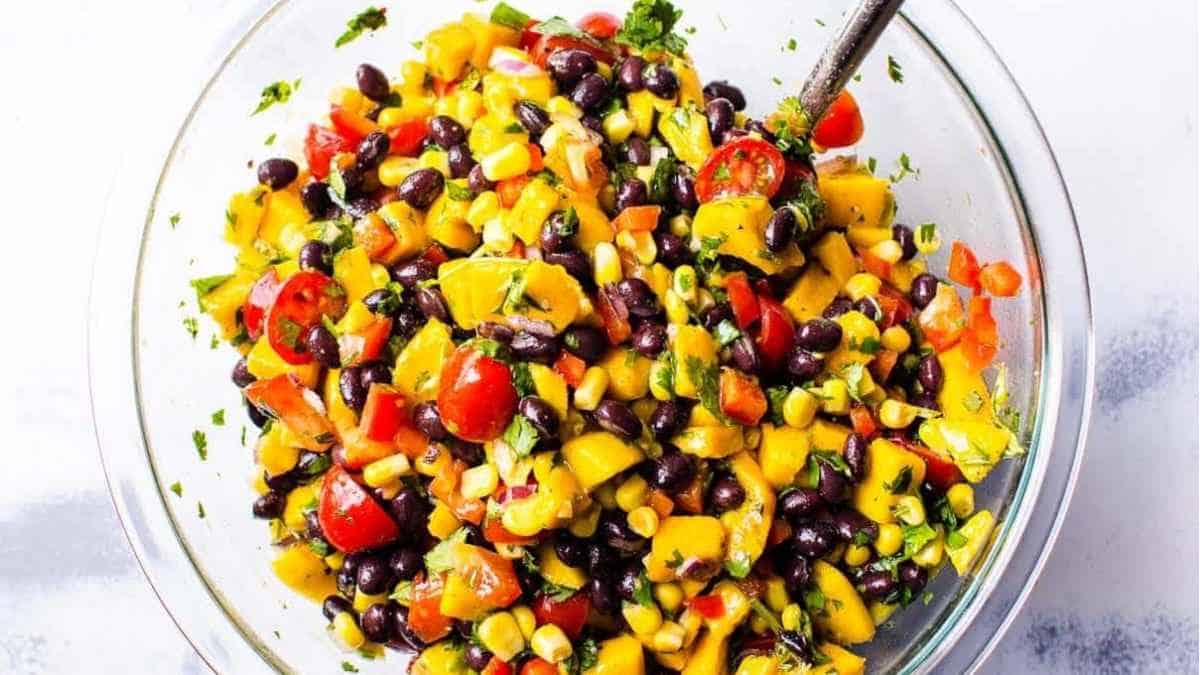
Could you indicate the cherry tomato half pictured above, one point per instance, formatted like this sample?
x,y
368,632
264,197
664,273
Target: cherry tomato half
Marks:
x,y
741,167
304,298
351,125
425,616
476,397
538,666
742,300
259,301
384,413
320,145
350,518
600,25
842,124
491,578
569,614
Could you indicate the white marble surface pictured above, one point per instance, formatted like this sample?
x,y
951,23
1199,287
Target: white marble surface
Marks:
x,y
1115,85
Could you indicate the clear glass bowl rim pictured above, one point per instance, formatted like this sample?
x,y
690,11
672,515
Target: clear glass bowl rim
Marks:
x,y
992,597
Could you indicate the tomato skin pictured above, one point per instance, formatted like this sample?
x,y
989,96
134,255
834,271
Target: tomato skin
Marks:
x,y
742,400
405,138
842,124
708,606
744,303
882,365
753,165
491,578
981,338
302,300
350,518
509,190
538,666
384,413
495,532
496,667
536,162
375,336
940,471
284,397
942,320
964,267
435,254
615,326
351,125
637,218
476,397
569,614
425,616
775,332
600,25
1000,279
320,145
897,309
548,44
571,368
863,421
262,295
529,36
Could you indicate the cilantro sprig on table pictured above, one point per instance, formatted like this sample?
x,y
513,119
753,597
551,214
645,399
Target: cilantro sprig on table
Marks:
x,y
650,25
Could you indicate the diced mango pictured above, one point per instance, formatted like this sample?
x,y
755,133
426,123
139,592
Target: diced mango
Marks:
x,y
628,374
264,363
551,387
782,452
223,302
695,351
243,215
844,617
709,442
811,294
841,661
596,456
835,256
857,200
748,525
621,655
446,223
418,370
554,570
537,201
304,572
352,269
681,540
977,531
739,224
447,50
892,471
479,289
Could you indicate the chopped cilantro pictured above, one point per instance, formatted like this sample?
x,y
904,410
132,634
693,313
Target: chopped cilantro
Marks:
x,y
706,380
642,593
775,398
778,82
192,326
200,509
349,667
514,128
916,537
588,653
660,181
853,374
438,559
459,193
276,92
177,488
955,540
906,169
648,26
834,459
522,379
708,249
506,15
205,285
665,376
568,226
926,232
218,418
722,173
820,22
894,70
739,567
320,547
871,164
370,19
521,435
556,25
201,442
270,139
556,592
814,600
791,45
901,482
174,220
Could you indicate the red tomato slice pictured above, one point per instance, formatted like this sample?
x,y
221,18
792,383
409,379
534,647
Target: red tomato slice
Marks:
x,y
745,305
775,332
375,336
1000,279
304,298
286,399
529,37
261,296
981,337
490,577
745,166
384,413
882,365
964,267
548,44
406,138
320,145
350,518
476,397
569,614
496,667
509,190
351,125
637,218
600,25
425,616
842,124
435,254
539,666
942,319
707,606
742,400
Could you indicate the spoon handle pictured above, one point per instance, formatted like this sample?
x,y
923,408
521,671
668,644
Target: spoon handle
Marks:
x,y
845,53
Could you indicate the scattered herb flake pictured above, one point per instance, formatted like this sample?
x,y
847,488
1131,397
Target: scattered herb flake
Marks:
x,y
276,92
894,70
871,164
174,220
642,593
370,19
506,15
778,82
218,418
726,332
177,488
521,435
901,482
192,326
349,667
906,169
820,22
200,509
791,45
270,139
955,540
201,442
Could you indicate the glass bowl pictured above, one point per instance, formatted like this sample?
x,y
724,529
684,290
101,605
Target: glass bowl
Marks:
x,y
986,175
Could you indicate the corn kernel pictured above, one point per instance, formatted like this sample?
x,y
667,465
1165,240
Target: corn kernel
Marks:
x,y
501,635
390,490
896,415
435,159
896,339
259,481
393,170
835,397
776,595
606,494
584,525
591,389
509,161
433,461
442,522
639,244
888,251
704,300
962,499
604,70
386,470
606,264
799,408
642,619
346,631
691,622
669,596
479,481
669,637
680,225
632,493
660,372
497,235
643,520
862,285
931,554
889,540
909,510
363,600
856,555
483,208
790,618
561,105
618,127
526,621
550,643
510,551
677,309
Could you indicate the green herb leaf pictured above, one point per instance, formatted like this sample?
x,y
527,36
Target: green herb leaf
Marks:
x,y
906,169
791,45
440,558
894,70
916,537
556,592
276,92
370,19
200,509
766,615
814,600
218,418
660,181
205,285
177,488
522,379
775,399
192,326
174,220
926,232
706,378
270,139
349,667
649,25
521,435
506,15
739,566
665,377
726,332
201,442
708,249
588,652
901,483
955,540
458,192
642,593
556,25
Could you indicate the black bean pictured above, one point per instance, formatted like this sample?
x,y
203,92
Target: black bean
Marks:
x,y
312,464
924,287
401,630
683,190
433,304
903,235
618,535
258,417
720,116
409,510
757,126
316,256
382,301
660,80
281,483
575,263
672,471
359,207
315,198
602,561
834,487
929,374
569,66
878,585
477,181
629,73
672,249
854,451
277,172
407,320
913,576
722,89
796,574
429,421
586,342
632,192
628,582
374,576
797,643
345,580
802,365
839,306
374,373
375,623
813,539
411,273
850,525
744,355
780,229
602,595
459,158
666,420
591,91
446,131
477,657
322,345
869,308
334,605
540,414
616,417
638,297
650,339
421,187
726,493
372,82
269,505
573,552
352,178
532,117
350,384
925,399
533,347
593,123
551,238
241,374
796,505
713,316
372,150
637,151
819,335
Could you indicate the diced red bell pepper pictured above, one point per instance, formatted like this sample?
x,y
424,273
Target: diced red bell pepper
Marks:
x,y
742,299
435,254
940,470
320,145
637,218
707,606
863,421
374,236
375,336
1000,279
942,320
350,518
600,25
882,365
742,400
384,413
351,125
405,138
571,368
495,532
964,267
981,338
897,309
425,616
661,502
874,264
569,614
538,666
284,397
509,190
775,332
536,162
496,667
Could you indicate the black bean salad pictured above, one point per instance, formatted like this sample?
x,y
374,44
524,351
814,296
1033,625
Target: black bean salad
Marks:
x,y
565,363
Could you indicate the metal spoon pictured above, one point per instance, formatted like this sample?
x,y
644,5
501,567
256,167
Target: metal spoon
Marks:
x,y
844,55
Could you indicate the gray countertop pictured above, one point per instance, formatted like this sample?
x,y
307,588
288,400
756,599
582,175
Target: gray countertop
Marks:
x,y
1119,594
